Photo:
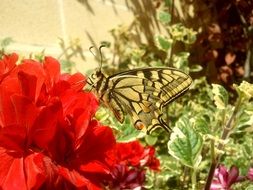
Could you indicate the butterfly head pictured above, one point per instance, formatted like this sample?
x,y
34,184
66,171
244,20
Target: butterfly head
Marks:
x,y
95,77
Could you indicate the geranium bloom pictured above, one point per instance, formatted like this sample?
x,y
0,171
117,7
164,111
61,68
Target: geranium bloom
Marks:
x,y
125,177
224,179
48,139
135,154
131,161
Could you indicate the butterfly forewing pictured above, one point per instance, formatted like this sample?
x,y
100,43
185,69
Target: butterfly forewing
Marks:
x,y
142,93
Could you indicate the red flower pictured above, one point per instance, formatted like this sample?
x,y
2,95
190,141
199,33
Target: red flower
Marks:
x,y
224,179
124,177
47,137
134,154
7,64
131,161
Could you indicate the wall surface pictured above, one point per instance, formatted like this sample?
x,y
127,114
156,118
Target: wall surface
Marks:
x,y
38,25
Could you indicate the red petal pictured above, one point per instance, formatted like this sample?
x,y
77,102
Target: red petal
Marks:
x,y
77,80
45,125
28,84
33,68
35,170
95,167
7,64
25,111
13,138
72,101
52,69
131,152
74,177
81,125
11,172
97,141
6,108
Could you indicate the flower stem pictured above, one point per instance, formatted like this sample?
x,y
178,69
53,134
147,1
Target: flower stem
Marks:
x,y
224,136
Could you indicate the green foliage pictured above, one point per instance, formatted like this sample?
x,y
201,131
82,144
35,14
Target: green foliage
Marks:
x,y
185,143
164,43
124,132
164,17
220,96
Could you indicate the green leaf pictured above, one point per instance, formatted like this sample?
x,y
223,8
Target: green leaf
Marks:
x,y
196,68
124,132
201,124
130,134
164,43
245,118
220,96
185,143
180,33
151,140
245,90
180,60
249,187
164,17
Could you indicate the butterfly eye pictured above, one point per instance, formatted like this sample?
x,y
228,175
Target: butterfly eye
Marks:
x,y
94,76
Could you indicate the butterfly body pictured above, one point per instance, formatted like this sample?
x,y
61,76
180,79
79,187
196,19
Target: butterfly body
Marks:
x,y
141,93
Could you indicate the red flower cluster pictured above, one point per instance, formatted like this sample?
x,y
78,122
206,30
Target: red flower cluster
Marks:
x,y
48,139
129,168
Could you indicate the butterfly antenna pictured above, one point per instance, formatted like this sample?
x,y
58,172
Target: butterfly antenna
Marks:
x,y
101,55
90,49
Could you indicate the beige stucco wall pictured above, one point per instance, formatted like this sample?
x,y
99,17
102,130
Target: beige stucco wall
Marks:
x,y
37,25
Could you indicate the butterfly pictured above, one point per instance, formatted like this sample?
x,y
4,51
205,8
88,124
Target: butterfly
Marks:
x,y
141,93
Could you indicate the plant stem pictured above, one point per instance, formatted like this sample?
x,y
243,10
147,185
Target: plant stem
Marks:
x,y
224,136
193,179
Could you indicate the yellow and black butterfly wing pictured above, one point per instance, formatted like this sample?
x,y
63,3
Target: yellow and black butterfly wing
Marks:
x,y
142,93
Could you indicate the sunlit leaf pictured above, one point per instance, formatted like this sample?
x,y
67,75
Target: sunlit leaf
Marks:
x,y
180,33
245,90
180,60
125,132
250,187
245,118
164,17
220,96
151,140
196,68
202,124
185,143
164,43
